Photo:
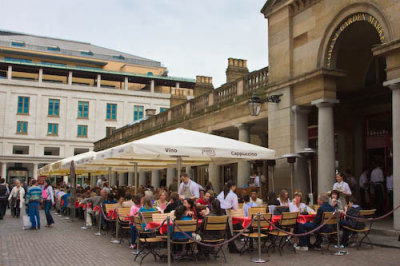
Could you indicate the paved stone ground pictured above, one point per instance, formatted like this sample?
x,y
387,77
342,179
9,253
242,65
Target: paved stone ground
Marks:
x,y
67,244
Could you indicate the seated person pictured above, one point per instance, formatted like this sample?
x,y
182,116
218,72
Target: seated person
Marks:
x,y
120,201
173,203
134,210
127,203
335,200
147,205
255,199
180,215
247,204
284,198
304,241
190,208
272,201
205,201
353,209
162,202
298,206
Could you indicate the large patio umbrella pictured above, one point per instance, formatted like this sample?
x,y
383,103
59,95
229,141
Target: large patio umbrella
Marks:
x,y
181,147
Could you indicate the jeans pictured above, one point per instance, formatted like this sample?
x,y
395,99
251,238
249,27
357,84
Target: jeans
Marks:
x,y
34,214
304,241
133,234
3,207
47,207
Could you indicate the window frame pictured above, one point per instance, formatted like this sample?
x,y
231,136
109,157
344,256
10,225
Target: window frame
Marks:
x,y
83,110
139,107
22,125
111,109
112,129
23,105
82,129
53,126
53,108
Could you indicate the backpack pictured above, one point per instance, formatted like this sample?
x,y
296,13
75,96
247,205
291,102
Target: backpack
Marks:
x,y
3,192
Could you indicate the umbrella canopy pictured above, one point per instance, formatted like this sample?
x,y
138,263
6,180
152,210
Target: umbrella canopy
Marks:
x,y
195,148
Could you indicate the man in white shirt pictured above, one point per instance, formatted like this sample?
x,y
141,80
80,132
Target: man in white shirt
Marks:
x,y
254,180
364,184
255,199
188,188
377,179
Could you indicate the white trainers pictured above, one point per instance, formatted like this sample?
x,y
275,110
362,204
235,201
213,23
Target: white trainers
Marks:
x,y
336,246
299,248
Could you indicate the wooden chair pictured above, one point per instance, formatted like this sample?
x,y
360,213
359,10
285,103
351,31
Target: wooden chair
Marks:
x,y
287,223
148,242
160,217
189,227
252,235
107,208
241,205
215,225
255,210
365,231
326,231
147,216
123,220
236,213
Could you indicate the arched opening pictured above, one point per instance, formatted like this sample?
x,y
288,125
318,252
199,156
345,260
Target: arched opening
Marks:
x,y
363,116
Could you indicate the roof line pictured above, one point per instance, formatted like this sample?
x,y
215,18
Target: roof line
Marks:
x,y
39,36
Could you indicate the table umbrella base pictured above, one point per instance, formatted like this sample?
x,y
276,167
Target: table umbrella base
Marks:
x,y
97,234
259,260
116,241
340,253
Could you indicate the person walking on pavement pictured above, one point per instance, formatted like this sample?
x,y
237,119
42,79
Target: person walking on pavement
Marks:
x,y
16,198
48,197
4,192
34,197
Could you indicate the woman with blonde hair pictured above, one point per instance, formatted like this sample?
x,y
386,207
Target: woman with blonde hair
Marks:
x,y
298,206
284,198
162,201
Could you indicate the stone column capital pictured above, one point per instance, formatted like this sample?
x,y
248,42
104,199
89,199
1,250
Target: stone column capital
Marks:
x,y
324,102
243,126
393,84
301,109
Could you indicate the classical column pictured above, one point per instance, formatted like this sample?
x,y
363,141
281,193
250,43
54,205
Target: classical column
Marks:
x,y
213,176
35,171
4,170
126,83
170,176
40,75
152,85
394,85
326,145
131,178
142,178
70,78
113,181
301,180
155,179
98,81
188,170
9,72
121,179
243,173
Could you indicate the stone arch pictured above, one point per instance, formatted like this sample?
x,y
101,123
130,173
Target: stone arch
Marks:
x,y
341,16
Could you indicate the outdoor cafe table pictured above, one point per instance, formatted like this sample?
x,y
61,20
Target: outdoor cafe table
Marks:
x,y
245,221
163,229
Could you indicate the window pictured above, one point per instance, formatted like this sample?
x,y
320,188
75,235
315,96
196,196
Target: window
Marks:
x,y
54,107
51,151
86,53
20,149
23,105
111,111
18,60
82,131
17,44
22,127
149,73
52,64
109,131
120,57
52,129
163,109
53,48
83,109
80,150
137,112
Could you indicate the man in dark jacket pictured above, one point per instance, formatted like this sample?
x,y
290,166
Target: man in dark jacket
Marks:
x,y
353,209
304,241
4,192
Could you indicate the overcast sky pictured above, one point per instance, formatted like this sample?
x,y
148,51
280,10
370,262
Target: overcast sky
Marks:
x,y
189,37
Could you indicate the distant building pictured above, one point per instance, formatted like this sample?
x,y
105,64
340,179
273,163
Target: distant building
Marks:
x,y
58,96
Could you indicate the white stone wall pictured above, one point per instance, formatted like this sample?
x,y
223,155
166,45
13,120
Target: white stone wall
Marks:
x,y
68,121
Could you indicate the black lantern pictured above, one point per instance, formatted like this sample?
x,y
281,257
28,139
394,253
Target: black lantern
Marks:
x,y
255,103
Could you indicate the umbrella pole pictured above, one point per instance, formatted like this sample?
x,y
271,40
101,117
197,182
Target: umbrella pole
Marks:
x,y
179,167
135,167
109,177
272,178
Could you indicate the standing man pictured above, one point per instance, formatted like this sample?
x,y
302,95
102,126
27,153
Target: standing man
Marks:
x,y
188,189
4,192
34,197
254,180
377,179
389,187
364,185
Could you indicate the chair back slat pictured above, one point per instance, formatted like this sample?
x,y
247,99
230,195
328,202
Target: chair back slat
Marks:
x,y
265,219
255,210
237,213
160,217
289,219
108,207
123,212
138,224
327,215
186,226
368,213
241,205
216,223
148,216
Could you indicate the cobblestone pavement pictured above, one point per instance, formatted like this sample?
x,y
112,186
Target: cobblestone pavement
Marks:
x,y
68,244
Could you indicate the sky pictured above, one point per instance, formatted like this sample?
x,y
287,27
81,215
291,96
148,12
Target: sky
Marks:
x,y
188,37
